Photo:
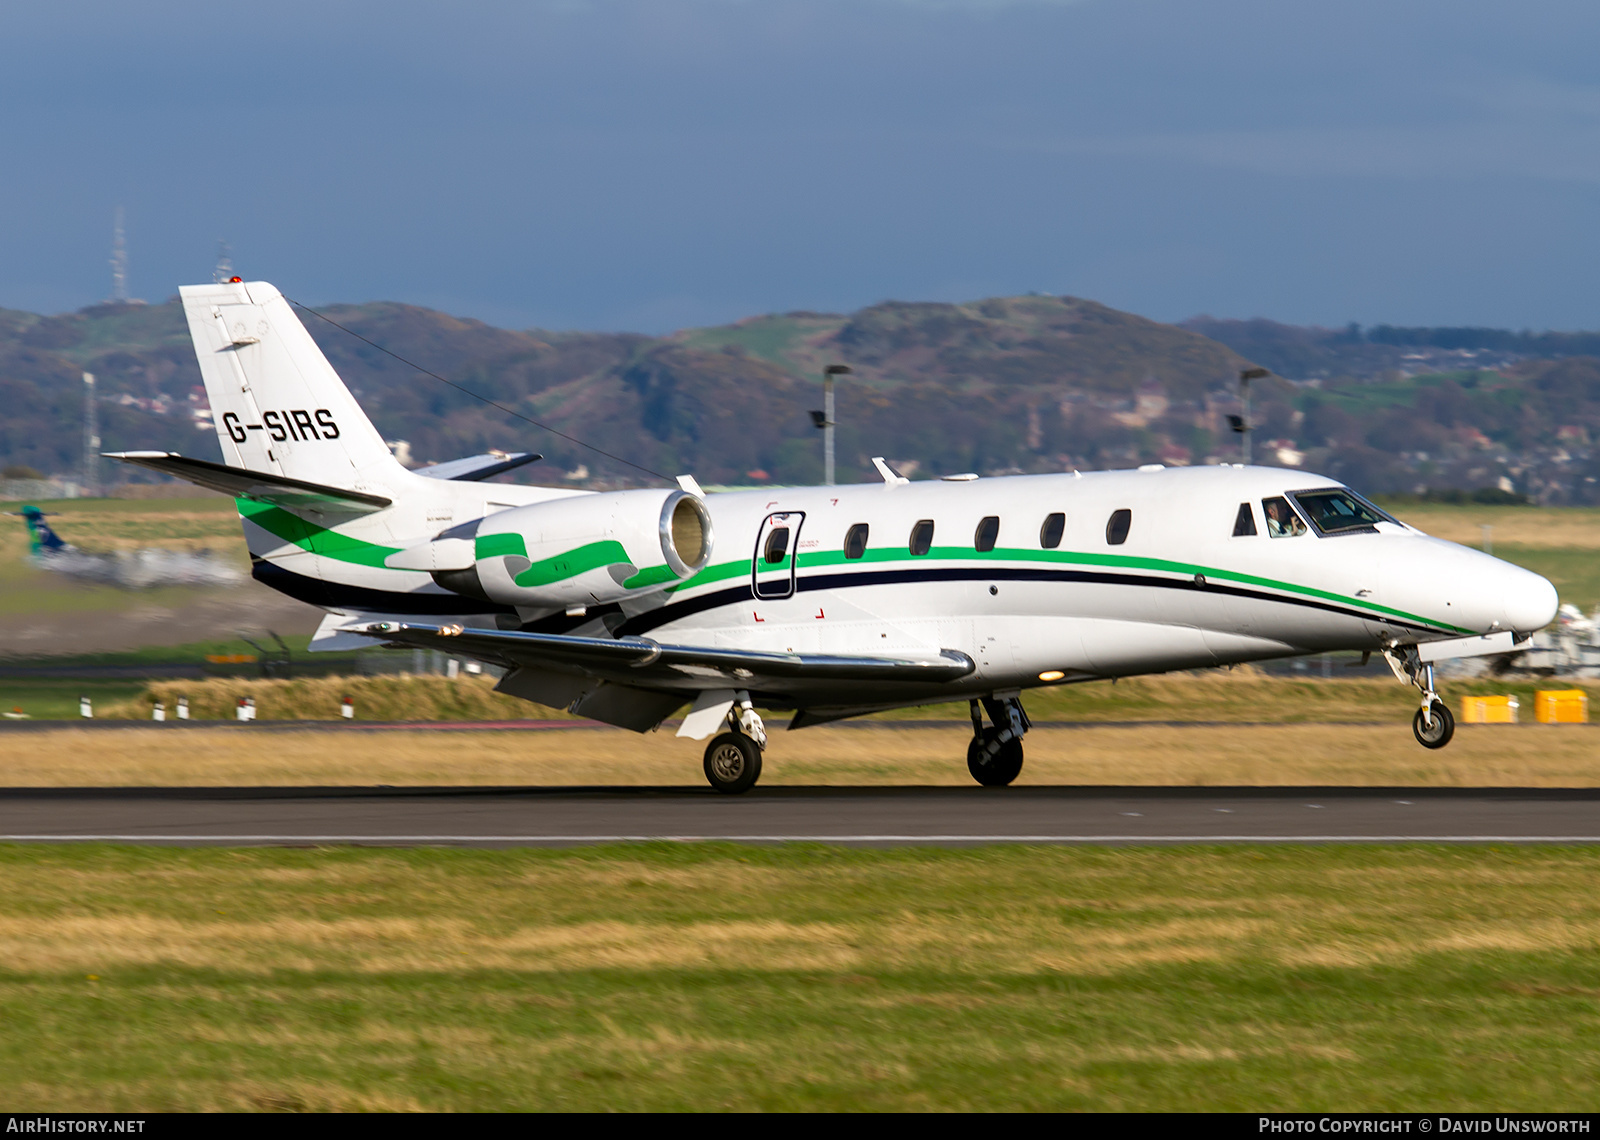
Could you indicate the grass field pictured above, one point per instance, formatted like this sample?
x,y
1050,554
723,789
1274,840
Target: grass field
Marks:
x,y
1362,755
1243,695
104,525
720,977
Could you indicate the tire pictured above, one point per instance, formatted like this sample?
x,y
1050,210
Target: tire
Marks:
x,y
1001,768
1444,727
733,763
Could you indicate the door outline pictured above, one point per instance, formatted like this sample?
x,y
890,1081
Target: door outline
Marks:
x,y
777,580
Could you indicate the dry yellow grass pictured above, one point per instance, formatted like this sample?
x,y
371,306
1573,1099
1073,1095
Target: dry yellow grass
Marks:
x,y
1512,755
381,698
1134,911
1242,694
1566,528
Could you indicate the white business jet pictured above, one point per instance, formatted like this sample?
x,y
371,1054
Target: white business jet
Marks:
x,y
831,602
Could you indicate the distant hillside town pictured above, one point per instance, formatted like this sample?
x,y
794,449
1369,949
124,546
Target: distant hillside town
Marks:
x,y
1009,384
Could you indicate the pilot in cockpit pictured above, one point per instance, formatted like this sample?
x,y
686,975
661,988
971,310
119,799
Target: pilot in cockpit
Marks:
x,y
1282,522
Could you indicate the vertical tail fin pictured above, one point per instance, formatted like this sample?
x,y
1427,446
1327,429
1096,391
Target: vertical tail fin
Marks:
x,y
277,403
41,539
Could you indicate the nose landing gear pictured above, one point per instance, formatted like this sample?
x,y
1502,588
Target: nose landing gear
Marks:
x,y
995,755
1433,724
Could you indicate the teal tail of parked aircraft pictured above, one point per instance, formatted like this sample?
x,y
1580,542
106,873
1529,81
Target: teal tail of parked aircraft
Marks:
x,y
130,569
41,539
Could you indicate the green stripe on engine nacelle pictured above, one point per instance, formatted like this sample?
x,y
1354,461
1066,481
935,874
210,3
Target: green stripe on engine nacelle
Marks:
x,y
494,545
592,556
559,567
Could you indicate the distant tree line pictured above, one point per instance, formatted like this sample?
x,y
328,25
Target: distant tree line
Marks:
x,y
1525,343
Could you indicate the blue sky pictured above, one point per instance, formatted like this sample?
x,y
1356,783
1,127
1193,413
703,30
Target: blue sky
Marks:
x,y
654,165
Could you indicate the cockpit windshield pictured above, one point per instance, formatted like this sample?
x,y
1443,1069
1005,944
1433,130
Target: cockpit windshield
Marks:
x,y
1337,511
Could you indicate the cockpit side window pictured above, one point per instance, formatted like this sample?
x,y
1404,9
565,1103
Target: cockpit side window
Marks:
x,y
1244,523
1339,512
1282,522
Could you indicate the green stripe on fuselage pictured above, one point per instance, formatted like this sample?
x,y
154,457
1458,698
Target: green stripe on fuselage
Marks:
x,y
883,557
311,537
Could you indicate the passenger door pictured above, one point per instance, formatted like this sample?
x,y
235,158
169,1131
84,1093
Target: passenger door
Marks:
x,y
772,569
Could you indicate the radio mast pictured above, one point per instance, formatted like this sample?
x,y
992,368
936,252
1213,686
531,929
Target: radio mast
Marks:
x,y
91,438
119,262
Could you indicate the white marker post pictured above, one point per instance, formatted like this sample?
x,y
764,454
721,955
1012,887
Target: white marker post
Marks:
x,y
348,708
85,708
159,712
183,708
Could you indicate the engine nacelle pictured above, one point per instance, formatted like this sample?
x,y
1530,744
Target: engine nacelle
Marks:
x,y
585,550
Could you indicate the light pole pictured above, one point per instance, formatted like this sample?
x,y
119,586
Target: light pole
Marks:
x,y
824,419
1245,376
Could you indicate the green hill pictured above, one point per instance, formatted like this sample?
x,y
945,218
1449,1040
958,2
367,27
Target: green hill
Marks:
x,y
1023,383
1033,383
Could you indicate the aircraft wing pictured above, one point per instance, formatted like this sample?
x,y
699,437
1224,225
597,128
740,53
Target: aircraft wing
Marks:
x,y
642,663
240,483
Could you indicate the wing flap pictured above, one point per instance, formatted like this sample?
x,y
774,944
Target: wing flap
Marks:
x,y
241,483
686,668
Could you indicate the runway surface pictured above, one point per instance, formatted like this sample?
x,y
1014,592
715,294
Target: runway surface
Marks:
x,y
480,816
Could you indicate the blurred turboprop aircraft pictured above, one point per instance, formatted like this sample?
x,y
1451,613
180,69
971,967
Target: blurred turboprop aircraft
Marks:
x,y
130,569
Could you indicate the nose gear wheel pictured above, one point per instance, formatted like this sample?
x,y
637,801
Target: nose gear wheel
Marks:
x,y
1434,732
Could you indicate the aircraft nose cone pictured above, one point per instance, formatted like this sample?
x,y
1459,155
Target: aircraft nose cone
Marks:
x,y
1530,601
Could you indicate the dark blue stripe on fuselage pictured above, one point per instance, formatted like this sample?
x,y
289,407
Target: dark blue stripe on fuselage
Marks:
x,y
339,596
814,582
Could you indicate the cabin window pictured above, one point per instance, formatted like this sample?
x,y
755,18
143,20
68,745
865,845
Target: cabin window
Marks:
x,y
922,537
987,534
777,548
855,541
1244,523
1117,527
1050,533
1282,522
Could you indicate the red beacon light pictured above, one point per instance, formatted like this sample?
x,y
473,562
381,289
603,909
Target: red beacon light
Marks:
x,y
235,280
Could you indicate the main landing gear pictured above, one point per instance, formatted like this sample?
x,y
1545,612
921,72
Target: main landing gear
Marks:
x,y
733,759
1433,724
995,755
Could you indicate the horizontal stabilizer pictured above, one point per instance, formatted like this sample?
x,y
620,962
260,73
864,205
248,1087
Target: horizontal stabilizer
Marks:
x,y
279,490
476,467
